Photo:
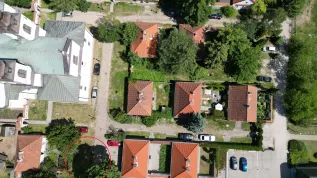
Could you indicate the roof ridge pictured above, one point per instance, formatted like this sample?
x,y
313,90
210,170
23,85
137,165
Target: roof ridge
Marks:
x,y
141,107
66,87
40,136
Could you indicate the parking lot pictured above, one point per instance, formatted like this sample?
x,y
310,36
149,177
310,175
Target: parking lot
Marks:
x,y
259,164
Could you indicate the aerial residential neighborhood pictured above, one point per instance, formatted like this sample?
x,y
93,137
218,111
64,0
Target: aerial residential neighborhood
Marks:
x,y
158,88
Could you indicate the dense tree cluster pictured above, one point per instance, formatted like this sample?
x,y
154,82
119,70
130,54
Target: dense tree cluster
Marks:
x,y
19,3
177,53
69,5
196,123
229,11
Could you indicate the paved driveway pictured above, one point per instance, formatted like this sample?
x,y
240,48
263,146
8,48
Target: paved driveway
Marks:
x,y
259,164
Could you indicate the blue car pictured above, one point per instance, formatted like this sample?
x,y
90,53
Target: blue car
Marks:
x,y
244,164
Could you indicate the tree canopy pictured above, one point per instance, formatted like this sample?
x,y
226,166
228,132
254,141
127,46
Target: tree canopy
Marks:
x,y
83,5
194,12
258,8
62,5
129,33
60,133
293,7
217,54
177,53
196,123
229,11
298,152
99,170
109,29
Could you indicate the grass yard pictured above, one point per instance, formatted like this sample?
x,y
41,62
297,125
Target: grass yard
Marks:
x,y
80,113
205,167
100,7
245,126
38,127
165,158
138,134
28,14
47,16
10,114
294,129
164,136
241,139
119,71
37,110
311,148
124,9
162,94
220,124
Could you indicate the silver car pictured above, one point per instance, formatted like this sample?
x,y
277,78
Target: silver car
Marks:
x,y
233,163
94,92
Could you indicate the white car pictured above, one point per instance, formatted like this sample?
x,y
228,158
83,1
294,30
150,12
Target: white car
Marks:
x,y
207,137
269,48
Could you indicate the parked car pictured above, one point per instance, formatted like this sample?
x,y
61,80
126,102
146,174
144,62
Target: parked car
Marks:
x,y
94,92
215,16
97,69
112,143
269,49
67,14
244,164
263,79
82,129
207,137
233,163
186,136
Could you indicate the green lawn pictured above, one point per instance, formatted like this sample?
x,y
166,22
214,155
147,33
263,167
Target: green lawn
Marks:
x,y
37,110
296,129
100,7
119,71
38,127
29,15
311,148
241,139
165,158
124,9
162,94
47,16
245,126
220,124
80,113
138,134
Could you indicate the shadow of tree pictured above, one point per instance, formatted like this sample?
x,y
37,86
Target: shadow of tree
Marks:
x,y
86,157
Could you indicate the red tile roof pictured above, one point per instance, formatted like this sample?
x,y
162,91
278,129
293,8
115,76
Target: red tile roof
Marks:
x,y
145,44
186,99
197,33
184,155
222,4
242,103
31,146
140,98
135,152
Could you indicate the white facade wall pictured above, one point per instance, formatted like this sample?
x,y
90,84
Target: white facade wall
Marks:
x,y
24,24
2,96
43,149
243,4
74,52
86,67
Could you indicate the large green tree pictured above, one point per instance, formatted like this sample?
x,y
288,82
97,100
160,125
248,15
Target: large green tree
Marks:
x,y
177,53
229,11
298,152
293,7
217,54
60,133
63,5
83,5
129,32
109,29
196,123
194,12
99,170
258,8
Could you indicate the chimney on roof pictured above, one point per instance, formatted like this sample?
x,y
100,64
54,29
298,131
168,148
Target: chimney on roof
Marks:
x,y
187,160
140,93
195,34
248,106
192,92
134,157
20,156
249,93
191,102
144,32
187,169
135,165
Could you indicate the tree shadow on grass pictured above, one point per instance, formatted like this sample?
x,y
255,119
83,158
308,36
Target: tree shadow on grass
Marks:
x,y
86,157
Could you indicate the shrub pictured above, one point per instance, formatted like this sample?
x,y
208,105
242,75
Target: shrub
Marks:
x,y
83,5
216,86
315,155
149,121
27,129
196,123
298,152
229,11
19,3
120,116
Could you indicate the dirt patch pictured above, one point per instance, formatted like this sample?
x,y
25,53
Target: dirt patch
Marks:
x,y
306,16
8,146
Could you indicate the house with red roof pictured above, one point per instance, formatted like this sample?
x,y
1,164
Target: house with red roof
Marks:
x,y
145,44
30,153
196,33
140,94
137,158
187,99
242,103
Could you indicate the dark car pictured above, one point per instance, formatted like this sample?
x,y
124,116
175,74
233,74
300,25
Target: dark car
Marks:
x,y
82,129
186,136
263,79
112,143
233,163
243,164
97,69
215,16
